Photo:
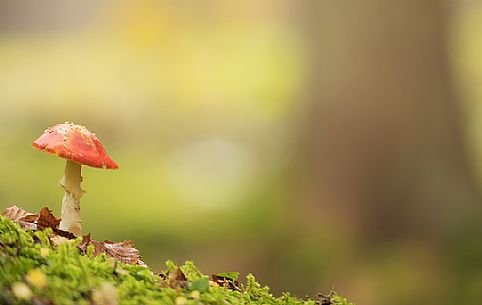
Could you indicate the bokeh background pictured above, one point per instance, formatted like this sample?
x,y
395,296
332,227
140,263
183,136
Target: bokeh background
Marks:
x,y
316,144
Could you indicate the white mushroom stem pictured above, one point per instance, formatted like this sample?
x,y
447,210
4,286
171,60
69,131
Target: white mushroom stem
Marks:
x,y
70,213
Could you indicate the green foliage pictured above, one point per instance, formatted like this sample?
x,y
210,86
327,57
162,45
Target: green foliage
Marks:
x,y
34,271
229,275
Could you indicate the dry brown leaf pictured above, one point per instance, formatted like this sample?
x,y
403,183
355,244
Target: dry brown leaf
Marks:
x,y
177,275
65,234
17,214
47,220
123,252
174,279
28,225
225,282
84,244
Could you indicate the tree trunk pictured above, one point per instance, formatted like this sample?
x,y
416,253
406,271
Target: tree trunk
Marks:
x,y
384,140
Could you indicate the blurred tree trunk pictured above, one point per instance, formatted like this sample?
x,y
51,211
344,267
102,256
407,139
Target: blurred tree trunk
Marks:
x,y
384,145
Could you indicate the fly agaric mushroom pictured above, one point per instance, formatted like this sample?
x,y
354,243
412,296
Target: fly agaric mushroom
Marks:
x,y
78,146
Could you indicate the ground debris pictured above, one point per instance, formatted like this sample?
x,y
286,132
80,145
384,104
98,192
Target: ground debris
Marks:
x,y
328,299
173,279
124,251
224,280
46,219
40,267
17,214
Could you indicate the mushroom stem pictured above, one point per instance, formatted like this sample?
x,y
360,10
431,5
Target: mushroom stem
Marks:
x,y
70,212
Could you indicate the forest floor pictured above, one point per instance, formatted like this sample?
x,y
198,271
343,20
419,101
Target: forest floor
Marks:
x,y
43,265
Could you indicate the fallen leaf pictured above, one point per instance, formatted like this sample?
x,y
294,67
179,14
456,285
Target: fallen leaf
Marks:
x,y
17,214
174,279
47,220
123,252
227,280
177,275
28,225
84,244
64,234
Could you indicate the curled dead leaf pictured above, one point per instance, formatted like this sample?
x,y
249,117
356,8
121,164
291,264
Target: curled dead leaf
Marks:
x,y
123,252
174,279
17,214
28,225
177,275
84,244
47,220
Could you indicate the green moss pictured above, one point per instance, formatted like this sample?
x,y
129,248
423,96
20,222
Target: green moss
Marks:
x,y
35,272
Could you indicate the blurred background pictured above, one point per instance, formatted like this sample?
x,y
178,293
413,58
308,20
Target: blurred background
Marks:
x,y
316,144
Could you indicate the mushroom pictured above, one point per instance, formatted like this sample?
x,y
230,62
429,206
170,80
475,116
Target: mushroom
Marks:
x,y
78,146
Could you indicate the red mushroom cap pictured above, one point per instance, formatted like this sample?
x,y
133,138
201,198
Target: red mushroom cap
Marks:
x,y
75,143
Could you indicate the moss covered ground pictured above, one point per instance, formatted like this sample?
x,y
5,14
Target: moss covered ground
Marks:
x,y
36,270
